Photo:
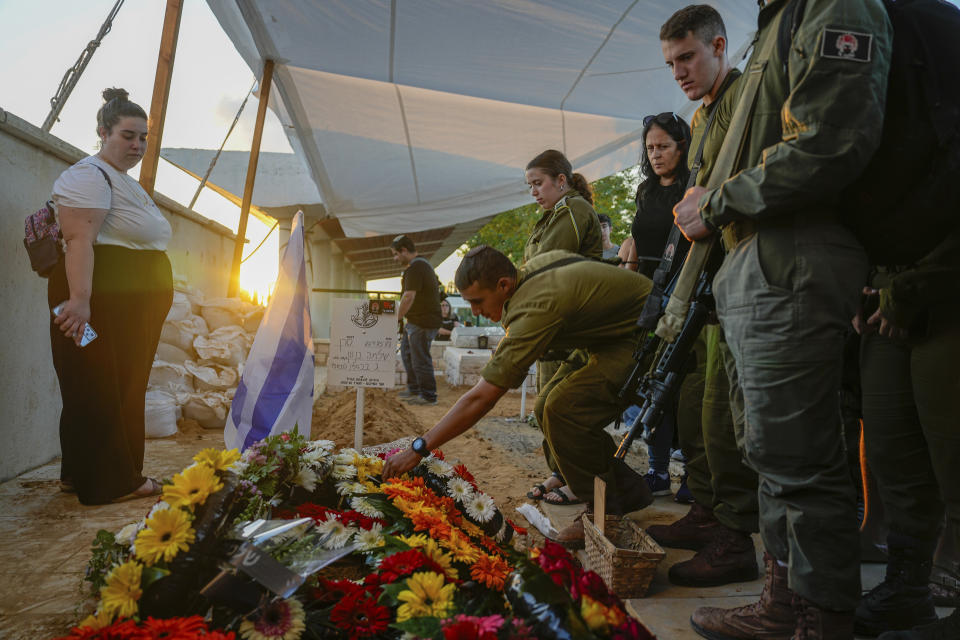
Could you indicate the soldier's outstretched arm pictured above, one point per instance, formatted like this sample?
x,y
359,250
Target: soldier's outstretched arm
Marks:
x,y
467,411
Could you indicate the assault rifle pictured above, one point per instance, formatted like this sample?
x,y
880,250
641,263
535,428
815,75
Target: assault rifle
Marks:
x,y
654,387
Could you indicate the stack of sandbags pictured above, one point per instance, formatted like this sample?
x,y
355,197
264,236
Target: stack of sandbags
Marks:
x,y
199,360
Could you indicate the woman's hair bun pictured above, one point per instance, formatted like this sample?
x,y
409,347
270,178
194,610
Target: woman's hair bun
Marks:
x,y
112,93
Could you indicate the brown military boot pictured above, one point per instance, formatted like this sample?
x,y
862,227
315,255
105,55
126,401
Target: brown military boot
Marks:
x,y
771,618
814,623
728,557
692,531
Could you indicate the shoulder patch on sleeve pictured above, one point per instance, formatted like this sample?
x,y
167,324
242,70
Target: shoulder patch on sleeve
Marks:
x,y
841,44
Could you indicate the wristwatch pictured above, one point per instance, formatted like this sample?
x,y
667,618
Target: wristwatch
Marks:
x,y
419,447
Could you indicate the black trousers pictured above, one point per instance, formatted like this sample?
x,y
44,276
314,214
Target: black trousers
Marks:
x,y
103,384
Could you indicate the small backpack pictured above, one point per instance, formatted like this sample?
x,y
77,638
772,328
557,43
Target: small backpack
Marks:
x,y
42,237
908,197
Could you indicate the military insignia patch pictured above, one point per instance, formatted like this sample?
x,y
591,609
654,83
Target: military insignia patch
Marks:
x,y
846,45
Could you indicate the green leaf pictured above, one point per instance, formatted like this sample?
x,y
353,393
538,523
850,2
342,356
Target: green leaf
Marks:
x,y
426,627
149,575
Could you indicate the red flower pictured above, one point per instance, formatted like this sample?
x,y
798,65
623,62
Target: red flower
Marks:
x,y
461,470
330,591
361,616
520,531
632,630
437,454
466,630
364,522
172,627
306,510
401,564
589,583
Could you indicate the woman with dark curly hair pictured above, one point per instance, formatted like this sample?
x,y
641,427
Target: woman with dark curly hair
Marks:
x,y
114,275
666,141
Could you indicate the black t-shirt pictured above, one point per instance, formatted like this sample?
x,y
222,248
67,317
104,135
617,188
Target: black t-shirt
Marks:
x,y
653,222
425,310
448,323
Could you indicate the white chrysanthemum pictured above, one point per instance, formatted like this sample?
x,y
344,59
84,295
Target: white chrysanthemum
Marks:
x,y
345,457
480,507
239,466
160,506
313,456
371,539
339,533
350,487
438,467
344,472
306,478
362,505
321,445
459,489
128,534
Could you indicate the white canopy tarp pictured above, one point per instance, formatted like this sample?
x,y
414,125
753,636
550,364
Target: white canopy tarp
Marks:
x,y
418,114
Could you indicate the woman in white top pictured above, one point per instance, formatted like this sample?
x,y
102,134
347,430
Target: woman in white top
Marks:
x,y
114,275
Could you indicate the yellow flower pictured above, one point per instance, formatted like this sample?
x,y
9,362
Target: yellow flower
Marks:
x,y
119,596
219,459
425,595
98,620
414,541
432,550
279,620
599,617
460,546
192,486
167,533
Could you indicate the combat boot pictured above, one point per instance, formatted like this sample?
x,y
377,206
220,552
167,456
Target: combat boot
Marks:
x,y
943,629
632,492
770,618
728,557
902,600
945,577
814,623
693,531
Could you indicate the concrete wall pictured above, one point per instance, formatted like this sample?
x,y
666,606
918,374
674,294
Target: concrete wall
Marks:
x,y
30,162
327,269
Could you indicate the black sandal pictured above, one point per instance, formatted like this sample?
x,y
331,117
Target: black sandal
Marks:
x,y
543,489
564,500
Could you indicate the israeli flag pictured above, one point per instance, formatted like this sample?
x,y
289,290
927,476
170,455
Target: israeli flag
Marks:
x,y
276,390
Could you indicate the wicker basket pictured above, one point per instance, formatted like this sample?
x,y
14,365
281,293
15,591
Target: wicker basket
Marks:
x,y
626,557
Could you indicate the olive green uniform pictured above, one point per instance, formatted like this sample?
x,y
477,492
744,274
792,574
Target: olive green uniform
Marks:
x,y
571,225
910,387
591,307
718,477
791,278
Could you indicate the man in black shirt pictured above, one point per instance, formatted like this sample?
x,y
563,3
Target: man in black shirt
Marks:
x,y
420,305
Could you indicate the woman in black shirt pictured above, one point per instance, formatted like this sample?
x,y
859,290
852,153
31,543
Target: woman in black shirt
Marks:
x,y
666,140
448,321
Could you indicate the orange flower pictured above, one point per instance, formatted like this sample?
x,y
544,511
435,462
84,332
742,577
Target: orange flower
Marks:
x,y
490,571
437,528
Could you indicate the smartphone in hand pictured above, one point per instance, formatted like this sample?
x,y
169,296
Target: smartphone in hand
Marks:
x,y
89,335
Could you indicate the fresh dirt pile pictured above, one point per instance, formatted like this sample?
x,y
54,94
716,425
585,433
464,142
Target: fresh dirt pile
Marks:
x,y
385,418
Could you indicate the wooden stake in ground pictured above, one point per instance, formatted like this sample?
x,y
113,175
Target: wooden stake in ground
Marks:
x,y
600,504
161,93
358,425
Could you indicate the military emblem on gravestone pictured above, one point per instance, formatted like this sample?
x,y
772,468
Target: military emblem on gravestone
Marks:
x,y
363,318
